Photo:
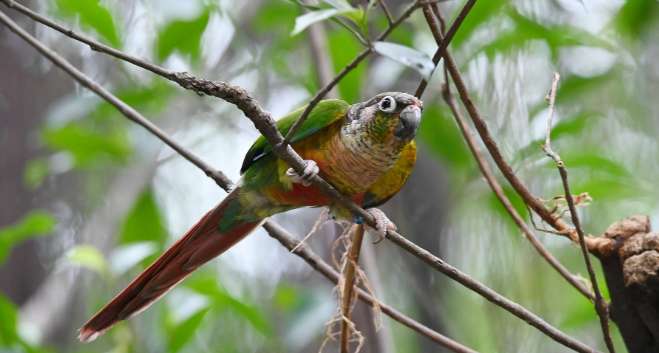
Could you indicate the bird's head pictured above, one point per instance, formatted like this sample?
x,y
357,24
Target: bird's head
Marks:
x,y
390,117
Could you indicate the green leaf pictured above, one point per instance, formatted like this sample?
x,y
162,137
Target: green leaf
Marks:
x,y
440,133
636,16
92,14
526,30
88,146
515,200
594,162
344,48
571,126
8,335
89,257
407,56
479,14
209,287
144,222
183,36
181,333
36,223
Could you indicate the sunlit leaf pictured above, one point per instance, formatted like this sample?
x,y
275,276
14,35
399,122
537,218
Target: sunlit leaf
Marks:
x,y
413,58
339,4
183,36
309,18
92,14
87,256
36,223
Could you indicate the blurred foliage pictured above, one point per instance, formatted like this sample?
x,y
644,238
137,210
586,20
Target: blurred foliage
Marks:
x,y
34,224
92,15
605,130
183,36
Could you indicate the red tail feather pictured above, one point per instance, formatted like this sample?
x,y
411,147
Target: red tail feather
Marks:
x,y
199,245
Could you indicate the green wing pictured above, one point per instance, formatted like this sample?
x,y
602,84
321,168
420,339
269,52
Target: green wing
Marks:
x,y
325,113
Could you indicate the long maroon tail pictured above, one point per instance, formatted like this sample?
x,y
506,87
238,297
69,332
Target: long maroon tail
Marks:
x,y
199,245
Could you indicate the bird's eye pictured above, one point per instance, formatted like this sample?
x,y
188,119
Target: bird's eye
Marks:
x,y
387,104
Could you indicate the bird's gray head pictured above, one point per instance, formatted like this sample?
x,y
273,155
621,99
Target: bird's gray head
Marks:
x,y
387,117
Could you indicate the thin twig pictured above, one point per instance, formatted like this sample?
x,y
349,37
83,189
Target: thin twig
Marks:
x,y
315,261
263,121
387,13
532,201
443,44
600,305
352,65
484,167
348,274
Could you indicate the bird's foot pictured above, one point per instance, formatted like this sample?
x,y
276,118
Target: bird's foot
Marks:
x,y
382,223
310,170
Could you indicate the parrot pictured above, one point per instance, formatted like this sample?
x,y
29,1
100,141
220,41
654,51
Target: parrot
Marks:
x,y
365,150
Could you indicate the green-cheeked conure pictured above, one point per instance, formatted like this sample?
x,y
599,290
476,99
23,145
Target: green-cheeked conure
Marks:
x,y
365,150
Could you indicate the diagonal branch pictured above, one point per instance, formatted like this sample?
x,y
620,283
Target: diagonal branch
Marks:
x,y
600,305
533,202
315,261
485,169
445,41
264,122
274,229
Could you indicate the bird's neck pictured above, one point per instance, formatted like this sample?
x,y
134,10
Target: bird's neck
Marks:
x,y
359,158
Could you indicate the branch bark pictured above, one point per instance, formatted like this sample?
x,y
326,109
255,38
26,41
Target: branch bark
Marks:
x,y
273,229
265,124
600,305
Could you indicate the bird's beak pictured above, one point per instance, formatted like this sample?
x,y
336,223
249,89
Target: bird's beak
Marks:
x,y
410,118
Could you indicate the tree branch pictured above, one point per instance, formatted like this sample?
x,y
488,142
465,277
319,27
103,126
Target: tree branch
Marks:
x,y
533,202
264,122
273,229
300,249
600,305
484,167
446,39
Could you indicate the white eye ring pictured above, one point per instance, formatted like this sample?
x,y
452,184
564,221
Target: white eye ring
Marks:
x,y
387,104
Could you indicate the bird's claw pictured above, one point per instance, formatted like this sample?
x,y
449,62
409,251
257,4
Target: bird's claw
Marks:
x,y
310,170
382,224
